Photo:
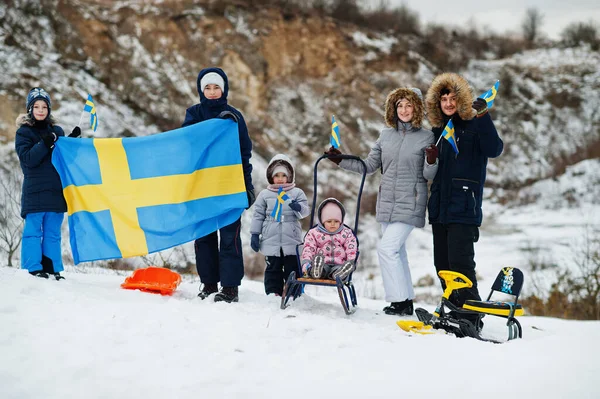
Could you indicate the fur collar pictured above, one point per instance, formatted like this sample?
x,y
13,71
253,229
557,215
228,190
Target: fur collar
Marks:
x,y
464,98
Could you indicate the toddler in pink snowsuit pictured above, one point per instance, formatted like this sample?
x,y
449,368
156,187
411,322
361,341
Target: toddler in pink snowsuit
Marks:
x,y
330,248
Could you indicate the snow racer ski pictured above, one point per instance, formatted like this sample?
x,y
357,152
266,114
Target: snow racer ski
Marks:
x,y
458,321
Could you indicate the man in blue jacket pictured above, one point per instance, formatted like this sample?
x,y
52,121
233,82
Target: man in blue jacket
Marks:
x,y
223,262
457,191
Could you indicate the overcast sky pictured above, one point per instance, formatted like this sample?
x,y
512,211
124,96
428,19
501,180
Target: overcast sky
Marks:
x,y
504,15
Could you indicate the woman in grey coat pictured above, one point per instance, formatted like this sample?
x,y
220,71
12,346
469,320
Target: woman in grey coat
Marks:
x,y
276,230
407,158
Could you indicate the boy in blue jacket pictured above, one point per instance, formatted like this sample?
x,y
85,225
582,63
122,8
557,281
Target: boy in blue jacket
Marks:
x,y
221,263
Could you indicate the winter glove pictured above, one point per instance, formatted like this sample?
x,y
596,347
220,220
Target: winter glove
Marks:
x,y
480,106
49,139
333,151
432,154
305,268
228,115
295,206
255,242
76,132
251,197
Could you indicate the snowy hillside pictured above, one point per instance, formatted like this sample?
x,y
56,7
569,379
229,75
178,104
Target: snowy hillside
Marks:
x,y
140,60
85,337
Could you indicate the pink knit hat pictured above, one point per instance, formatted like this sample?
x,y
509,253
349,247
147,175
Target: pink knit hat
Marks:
x,y
331,211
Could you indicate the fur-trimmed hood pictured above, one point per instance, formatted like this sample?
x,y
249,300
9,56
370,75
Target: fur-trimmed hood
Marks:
x,y
391,117
280,159
464,98
26,119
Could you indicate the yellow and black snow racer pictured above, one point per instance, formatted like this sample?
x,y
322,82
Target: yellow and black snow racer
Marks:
x,y
466,320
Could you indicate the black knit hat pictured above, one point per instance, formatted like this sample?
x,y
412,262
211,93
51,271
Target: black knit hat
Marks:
x,y
37,93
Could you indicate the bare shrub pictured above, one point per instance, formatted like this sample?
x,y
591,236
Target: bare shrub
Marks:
x,y
11,223
532,24
579,33
175,259
398,19
347,10
574,293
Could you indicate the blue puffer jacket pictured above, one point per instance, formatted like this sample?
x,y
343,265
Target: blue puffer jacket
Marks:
x,y
457,189
208,109
42,189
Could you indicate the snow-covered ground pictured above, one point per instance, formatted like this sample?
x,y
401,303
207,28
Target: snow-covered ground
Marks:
x,y
85,337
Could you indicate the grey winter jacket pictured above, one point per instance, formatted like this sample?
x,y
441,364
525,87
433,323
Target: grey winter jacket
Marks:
x,y
287,233
400,154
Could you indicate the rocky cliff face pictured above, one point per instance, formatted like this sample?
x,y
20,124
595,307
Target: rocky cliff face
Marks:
x,y
288,73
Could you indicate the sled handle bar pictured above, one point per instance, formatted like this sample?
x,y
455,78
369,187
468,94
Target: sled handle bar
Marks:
x,y
360,190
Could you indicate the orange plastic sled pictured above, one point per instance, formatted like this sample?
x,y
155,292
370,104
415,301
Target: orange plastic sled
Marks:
x,y
157,280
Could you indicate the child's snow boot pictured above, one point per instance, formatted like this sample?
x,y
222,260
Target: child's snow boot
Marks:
x,y
207,290
227,294
344,271
39,273
316,271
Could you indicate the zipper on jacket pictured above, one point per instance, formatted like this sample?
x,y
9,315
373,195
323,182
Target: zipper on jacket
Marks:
x,y
474,203
396,173
332,249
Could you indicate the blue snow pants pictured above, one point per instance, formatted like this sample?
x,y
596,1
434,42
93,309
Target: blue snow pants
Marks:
x,y
222,261
41,237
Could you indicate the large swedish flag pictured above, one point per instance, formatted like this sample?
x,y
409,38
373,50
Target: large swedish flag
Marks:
x,y
134,196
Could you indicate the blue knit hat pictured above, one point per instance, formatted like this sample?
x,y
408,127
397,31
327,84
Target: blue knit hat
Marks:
x,y
37,93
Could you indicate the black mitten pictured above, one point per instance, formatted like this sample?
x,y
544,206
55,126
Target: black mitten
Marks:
x,y
255,242
76,132
228,115
49,139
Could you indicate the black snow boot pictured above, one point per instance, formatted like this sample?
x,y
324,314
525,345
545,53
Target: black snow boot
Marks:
x,y
207,290
39,273
404,308
57,276
227,294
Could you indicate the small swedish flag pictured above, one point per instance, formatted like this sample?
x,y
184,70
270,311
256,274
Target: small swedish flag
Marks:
x,y
448,134
335,133
91,108
490,95
277,209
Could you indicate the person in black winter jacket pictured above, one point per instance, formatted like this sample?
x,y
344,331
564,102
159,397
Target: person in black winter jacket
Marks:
x,y
42,202
221,263
457,190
